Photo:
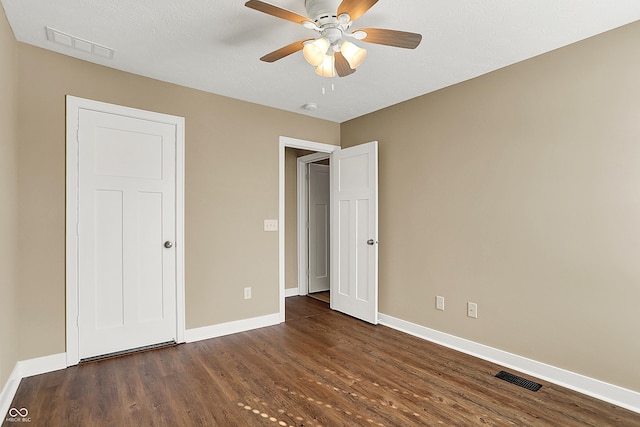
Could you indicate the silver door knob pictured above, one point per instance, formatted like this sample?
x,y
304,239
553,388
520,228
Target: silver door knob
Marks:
x,y
371,242
168,244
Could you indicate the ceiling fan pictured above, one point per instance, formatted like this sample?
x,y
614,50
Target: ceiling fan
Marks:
x,y
330,52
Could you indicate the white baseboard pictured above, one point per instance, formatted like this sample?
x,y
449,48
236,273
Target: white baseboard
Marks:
x,y
214,331
8,391
28,368
619,396
42,365
291,292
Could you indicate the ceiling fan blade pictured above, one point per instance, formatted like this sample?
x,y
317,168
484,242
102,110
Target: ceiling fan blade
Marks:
x,y
355,8
284,51
342,65
276,11
391,37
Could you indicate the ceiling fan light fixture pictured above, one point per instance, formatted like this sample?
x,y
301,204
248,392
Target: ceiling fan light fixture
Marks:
x,y
344,57
353,54
327,67
315,51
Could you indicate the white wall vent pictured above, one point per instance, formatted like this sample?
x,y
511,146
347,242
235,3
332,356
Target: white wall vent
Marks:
x,y
74,42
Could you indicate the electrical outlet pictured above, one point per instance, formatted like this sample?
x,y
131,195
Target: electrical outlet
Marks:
x,y
472,310
247,293
440,303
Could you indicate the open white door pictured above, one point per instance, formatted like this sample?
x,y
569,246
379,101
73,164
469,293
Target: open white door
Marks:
x,y
354,231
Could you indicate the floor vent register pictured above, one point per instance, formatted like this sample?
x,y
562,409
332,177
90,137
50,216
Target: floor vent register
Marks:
x,y
519,381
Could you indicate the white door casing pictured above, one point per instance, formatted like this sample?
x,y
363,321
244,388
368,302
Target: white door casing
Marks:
x,y
319,213
125,199
354,231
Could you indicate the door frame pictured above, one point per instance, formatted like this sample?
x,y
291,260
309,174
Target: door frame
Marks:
x,y
73,107
303,215
287,142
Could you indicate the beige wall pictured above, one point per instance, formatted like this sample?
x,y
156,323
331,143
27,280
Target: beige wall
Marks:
x,y
520,191
231,187
8,198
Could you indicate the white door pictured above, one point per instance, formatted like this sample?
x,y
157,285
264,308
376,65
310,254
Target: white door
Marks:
x,y
127,211
354,231
318,228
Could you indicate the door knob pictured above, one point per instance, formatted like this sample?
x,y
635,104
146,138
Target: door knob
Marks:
x,y
371,242
168,244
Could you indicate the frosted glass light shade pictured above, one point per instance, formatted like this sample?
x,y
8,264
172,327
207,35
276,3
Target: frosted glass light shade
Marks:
x,y
314,52
353,54
327,68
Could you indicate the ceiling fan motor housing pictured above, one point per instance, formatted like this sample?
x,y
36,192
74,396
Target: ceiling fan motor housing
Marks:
x,y
322,11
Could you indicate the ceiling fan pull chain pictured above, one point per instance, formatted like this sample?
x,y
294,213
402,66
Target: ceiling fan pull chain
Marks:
x,y
333,89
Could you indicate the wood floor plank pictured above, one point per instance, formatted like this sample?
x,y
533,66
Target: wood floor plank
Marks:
x,y
319,368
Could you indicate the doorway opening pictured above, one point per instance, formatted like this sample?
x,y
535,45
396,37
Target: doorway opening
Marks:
x,y
321,152
354,229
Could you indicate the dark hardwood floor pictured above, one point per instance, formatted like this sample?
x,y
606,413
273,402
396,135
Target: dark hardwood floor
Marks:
x,y
322,296
319,368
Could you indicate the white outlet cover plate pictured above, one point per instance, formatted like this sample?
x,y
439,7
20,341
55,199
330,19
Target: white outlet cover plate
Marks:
x,y
472,310
270,225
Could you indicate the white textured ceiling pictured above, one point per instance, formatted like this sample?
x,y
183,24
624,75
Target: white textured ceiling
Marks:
x,y
215,46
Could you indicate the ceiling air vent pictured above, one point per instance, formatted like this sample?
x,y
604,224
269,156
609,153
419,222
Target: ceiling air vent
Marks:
x,y
77,43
